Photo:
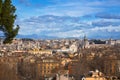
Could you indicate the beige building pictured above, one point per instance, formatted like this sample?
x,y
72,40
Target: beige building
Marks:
x,y
94,78
47,67
37,51
63,75
74,47
95,75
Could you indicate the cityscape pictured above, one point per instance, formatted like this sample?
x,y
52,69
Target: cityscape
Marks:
x,y
59,40
60,59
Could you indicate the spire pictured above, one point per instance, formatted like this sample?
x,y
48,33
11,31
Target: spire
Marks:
x,y
85,38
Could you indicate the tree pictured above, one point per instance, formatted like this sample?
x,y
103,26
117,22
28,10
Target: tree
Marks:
x,y
7,19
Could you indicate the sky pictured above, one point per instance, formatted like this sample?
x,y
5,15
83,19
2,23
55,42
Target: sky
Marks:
x,y
68,18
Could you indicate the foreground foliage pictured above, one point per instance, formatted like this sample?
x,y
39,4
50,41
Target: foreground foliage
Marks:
x,y
7,19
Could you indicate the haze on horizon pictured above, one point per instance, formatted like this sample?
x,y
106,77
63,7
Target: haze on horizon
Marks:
x,y
69,18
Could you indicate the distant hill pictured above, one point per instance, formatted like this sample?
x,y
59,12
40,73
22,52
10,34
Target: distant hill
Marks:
x,y
34,36
96,36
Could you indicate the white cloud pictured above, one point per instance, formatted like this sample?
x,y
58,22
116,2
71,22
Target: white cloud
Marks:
x,y
107,28
70,9
68,27
72,33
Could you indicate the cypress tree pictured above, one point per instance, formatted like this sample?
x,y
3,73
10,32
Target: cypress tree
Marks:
x,y
7,20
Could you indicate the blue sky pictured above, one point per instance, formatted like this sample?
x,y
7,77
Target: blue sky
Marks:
x,y
69,18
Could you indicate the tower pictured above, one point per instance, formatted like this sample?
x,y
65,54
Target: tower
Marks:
x,y
85,42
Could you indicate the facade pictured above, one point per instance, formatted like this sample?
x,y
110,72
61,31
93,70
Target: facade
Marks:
x,y
47,67
94,78
8,68
94,75
37,51
74,47
37,68
63,75
111,42
11,61
74,68
112,67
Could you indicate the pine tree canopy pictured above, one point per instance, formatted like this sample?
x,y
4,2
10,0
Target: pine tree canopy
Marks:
x,y
7,19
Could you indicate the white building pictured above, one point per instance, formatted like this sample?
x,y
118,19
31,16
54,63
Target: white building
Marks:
x,y
74,47
85,43
112,42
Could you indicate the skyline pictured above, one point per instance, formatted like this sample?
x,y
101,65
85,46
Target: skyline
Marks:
x,y
68,18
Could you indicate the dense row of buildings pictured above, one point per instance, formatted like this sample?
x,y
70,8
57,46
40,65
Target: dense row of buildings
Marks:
x,y
64,59
71,45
